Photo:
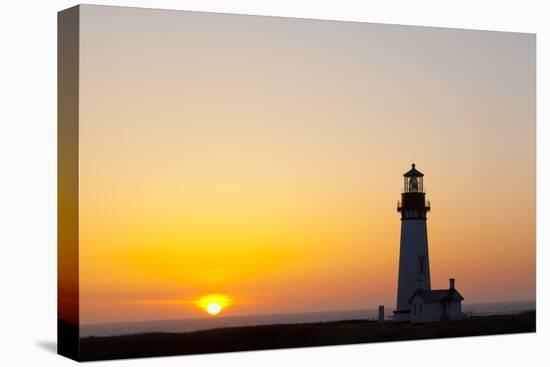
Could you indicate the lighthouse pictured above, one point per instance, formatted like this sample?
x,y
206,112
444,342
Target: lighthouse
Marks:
x,y
414,263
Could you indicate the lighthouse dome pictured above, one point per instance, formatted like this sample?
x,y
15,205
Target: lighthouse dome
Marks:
x,y
413,172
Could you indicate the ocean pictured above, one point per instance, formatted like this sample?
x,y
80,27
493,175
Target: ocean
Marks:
x,y
193,324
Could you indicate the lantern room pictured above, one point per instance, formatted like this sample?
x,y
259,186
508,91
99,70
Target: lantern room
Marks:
x,y
413,180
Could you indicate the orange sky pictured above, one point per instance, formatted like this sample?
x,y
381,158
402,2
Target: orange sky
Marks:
x,y
261,158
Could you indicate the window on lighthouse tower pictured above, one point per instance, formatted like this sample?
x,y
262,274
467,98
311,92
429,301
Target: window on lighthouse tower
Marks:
x,y
413,184
421,261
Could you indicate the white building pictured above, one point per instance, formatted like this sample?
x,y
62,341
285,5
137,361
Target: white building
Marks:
x,y
415,299
436,305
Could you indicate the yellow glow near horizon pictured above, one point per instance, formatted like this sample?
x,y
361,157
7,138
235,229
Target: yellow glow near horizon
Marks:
x,y
214,303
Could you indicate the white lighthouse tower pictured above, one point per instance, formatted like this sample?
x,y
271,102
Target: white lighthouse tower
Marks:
x,y
414,263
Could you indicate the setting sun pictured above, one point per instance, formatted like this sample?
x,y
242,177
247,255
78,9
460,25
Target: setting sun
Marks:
x,y
213,309
214,303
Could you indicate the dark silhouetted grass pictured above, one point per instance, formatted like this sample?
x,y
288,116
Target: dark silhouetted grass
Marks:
x,y
295,335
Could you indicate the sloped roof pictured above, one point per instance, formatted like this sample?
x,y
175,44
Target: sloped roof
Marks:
x,y
437,295
413,172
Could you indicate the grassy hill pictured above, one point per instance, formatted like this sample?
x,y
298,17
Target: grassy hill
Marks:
x,y
295,335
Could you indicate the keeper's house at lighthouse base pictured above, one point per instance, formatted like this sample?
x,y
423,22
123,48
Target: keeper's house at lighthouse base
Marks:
x,y
436,305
